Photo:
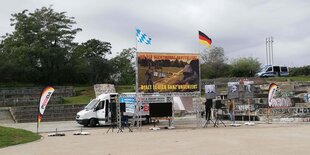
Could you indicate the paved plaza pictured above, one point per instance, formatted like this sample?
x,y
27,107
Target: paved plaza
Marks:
x,y
262,138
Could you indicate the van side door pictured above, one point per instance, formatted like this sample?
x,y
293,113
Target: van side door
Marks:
x,y
276,70
284,71
100,111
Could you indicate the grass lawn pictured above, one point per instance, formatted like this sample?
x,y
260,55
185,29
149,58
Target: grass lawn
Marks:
x,y
294,78
85,93
11,136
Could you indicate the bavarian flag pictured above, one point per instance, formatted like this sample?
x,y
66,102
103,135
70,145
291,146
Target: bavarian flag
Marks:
x,y
204,39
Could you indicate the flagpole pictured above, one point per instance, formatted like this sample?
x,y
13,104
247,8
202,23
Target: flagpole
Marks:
x,y
136,63
200,86
38,112
200,83
38,118
137,87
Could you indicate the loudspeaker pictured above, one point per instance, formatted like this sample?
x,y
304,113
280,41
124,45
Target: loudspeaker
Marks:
x,y
123,107
218,104
113,111
160,109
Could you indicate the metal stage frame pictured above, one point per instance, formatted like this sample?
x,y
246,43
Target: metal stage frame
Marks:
x,y
141,98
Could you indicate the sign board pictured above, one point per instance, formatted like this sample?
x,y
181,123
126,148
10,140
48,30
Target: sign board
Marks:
x,y
127,99
168,72
210,91
151,99
130,106
103,88
129,103
233,90
248,89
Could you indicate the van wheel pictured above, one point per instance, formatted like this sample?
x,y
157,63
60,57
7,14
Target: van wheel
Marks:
x,y
93,122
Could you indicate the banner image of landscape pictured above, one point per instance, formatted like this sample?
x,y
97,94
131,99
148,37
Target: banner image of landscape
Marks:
x,y
168,72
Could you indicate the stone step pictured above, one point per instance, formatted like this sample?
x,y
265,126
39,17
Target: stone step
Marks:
x,y
5,116
52,113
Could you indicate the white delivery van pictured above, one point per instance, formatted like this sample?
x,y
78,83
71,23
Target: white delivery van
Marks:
x,y
102,110
272,70
97,111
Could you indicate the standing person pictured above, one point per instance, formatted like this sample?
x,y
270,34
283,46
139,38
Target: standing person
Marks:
x,y
191,73
231,107
208,106
149,78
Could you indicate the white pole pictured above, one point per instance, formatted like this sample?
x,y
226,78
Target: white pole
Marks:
x,y
272,50
136,117
267,59
249,110
234,118
269,49
136,66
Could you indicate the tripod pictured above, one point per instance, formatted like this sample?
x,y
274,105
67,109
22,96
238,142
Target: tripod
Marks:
x,y
125,124
112,126
208,118
218,119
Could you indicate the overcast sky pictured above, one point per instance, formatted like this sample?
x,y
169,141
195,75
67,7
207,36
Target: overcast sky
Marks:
x,y
239,26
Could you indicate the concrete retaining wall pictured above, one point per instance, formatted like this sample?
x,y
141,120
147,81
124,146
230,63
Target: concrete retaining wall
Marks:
x,y
52,113
31,96
5,116
13,102
35,91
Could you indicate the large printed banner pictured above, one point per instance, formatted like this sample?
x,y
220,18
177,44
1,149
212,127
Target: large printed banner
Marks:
x,y
168,72
278,98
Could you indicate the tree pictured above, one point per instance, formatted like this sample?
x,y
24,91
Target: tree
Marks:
x,y
90,61
215,55
94,48
214,63
245,67
123,67
40,46
300,71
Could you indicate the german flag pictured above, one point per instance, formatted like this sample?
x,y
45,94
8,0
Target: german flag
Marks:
x,y
204,39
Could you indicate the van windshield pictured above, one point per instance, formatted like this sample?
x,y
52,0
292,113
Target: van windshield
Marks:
x,y
92,104
264,69
269,69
